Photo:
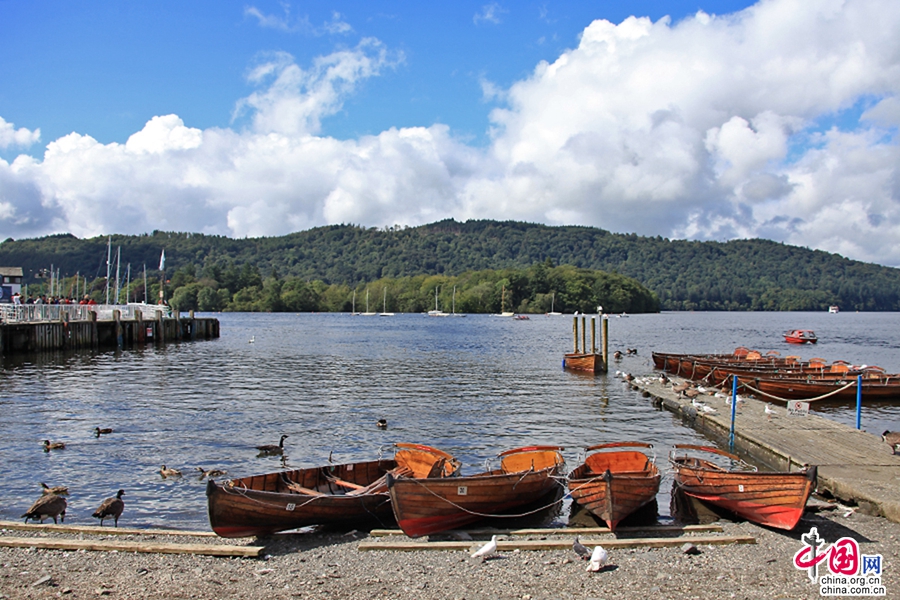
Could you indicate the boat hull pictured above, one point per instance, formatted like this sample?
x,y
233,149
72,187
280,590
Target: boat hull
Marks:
x,y
589,363
613,485
353,494
428,506
771,499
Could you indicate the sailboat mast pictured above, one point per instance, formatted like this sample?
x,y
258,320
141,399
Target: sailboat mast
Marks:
x,y
145,283
118,261
108,260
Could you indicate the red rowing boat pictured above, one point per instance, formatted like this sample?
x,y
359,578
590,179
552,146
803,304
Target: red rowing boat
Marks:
x,y
800,336
353,493
775,499
614,484
426,506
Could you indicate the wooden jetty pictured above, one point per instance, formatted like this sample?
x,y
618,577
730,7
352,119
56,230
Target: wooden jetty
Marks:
x,y
854,466
93,333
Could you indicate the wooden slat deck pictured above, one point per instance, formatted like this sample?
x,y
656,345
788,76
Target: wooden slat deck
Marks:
x,y
853,465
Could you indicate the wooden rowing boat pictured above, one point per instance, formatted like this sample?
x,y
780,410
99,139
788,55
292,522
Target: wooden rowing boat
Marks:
x,y
613,484
427,506
353,493
800,336
774,499
590,362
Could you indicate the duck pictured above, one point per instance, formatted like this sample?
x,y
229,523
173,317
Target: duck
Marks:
x,y
272,449
382,423
48,445
617,355
59,490
893,439
48,505
111,507
98,431
211,473
167,472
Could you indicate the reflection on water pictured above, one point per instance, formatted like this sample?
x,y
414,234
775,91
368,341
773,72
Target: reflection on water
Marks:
x,y
473,387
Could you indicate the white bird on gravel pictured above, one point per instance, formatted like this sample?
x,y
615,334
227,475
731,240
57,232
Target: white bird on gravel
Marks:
x,y
708,409
598,559
696,403
770,411
487,550
581,550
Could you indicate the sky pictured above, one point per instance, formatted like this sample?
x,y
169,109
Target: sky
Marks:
x,y
701,119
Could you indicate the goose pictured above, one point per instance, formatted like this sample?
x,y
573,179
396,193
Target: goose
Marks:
x,y
211,473
48,505
272,449
166,472
98,431
59,490
111,507
48,445
893,439
382,423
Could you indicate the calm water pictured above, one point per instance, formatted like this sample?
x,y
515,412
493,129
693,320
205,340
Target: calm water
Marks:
x,y
472,386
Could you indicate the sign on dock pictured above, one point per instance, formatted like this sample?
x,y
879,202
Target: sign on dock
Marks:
x,y
798,408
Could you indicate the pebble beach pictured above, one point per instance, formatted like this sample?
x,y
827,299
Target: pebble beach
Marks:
x,y
329,564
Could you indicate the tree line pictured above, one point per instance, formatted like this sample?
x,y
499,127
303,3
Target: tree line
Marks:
x,y
737,275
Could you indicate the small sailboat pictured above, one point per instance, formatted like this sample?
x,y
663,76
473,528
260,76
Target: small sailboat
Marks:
x,y
453,312
384,312
353,312
367,313
553,306
436,312
503,311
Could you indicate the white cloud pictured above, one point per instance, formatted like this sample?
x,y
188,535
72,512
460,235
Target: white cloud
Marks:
x,y
489,13
290,24
707,128
10,136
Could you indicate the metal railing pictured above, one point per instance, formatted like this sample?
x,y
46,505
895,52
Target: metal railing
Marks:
x,y
41,313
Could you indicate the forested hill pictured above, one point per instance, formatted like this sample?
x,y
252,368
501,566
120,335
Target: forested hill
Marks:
x,y
736,275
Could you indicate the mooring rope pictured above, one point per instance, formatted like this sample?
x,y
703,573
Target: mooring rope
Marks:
x,y
822,397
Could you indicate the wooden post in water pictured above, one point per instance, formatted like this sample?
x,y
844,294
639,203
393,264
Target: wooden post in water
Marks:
x,y
584,334
95,335
593,336
575,333
160,338
117,317
604,330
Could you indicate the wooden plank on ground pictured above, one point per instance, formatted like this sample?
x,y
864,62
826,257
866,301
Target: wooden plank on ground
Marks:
x,y
567,530
96,529
110,546
504,545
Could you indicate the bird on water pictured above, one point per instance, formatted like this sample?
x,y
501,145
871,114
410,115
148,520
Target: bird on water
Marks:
x,y
48,505
211,473
48,445
98,431
382,423
272,449
167,472
59,490
111,507
893,439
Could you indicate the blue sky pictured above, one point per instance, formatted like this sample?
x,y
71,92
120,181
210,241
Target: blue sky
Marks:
x,y
689,119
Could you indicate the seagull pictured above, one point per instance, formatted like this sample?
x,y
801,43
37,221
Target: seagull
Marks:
x,y
770,411
486,551
581,550
272,449
252,339
59,490
166,472
598,558
48,446
893,439
708,409
696,403
111,507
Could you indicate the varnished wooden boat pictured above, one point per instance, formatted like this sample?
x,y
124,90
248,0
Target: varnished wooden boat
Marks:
x,y
427,506
834,389
775,499
353,493
590,362
613,483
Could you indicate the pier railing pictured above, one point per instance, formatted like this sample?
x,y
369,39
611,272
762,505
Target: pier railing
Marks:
x,y
42,313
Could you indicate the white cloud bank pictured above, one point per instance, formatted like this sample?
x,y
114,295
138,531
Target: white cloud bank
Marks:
x,y
709,128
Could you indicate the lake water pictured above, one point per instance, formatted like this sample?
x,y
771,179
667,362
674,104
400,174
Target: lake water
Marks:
x,y
472,386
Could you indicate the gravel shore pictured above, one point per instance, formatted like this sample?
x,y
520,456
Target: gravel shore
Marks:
x,y
330,565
